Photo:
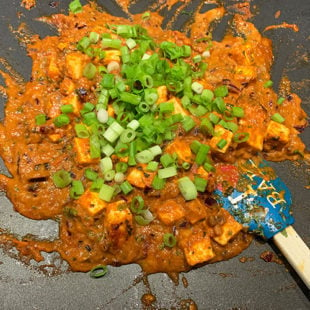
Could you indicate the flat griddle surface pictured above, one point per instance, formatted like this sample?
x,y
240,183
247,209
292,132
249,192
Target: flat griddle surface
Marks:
x,y
226,285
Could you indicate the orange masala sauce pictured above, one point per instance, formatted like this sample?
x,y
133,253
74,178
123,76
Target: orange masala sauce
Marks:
x,y
98,232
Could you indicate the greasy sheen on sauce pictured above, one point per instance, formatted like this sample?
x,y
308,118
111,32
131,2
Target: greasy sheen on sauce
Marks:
x,y
109,235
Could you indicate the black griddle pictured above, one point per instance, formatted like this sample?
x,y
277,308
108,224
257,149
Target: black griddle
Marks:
x,y
254,284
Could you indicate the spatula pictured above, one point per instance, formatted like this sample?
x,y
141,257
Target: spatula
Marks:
x,y
262,203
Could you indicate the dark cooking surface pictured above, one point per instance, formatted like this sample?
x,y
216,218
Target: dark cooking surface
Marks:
x,y
226,285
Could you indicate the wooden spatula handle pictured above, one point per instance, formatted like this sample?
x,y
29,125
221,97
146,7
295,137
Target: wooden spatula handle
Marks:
x,y
296,252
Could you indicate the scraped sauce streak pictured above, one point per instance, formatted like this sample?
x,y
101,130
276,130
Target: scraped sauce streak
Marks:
x,y
31,156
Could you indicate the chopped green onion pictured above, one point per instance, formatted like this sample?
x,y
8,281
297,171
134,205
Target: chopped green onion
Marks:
x,y
134,124
166,160
89,118
208,167
98,271
113,132
221,144
187,188
188,123
198,111
155,150
119,177
106,192
158,183
127,136
121,167
220,104
96,185
195,146
221,91
152,166
61,120
90,174
202,153
200,184
131,43
146,15
75,6
94,37
166,173
126,187
186,165
143,107
137,204
88,107
169,240
77,189
241,137
81,131
132,153
89,71
141,220
40,119
107,81
237,112
147,81
214,118
144,157
197,87
111,43
107,149
280,100
102,115
130,98
106,164
109,175
150,96
83,44
206,127
94,142
278,118
197,58
61,178
207,95
66,108
233,127
268,84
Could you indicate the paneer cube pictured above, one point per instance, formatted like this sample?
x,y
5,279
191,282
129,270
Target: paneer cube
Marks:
x,y
197,247
256,138
229,229
82,149
195,211
112,55
170,212
181,148
201,172
162,92
73,99
91,202
245,73
53,70
54,137
75,63
278,132
220,133
67,86
140,178
178,108
119,222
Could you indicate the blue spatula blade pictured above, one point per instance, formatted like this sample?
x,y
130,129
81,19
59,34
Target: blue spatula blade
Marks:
x,y
264,207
